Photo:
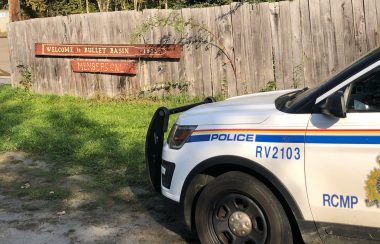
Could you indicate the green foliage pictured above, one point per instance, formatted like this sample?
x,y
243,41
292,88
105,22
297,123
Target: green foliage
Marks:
x,y
37,6
198,3
3,4
158,21
26,74
47,8
50,8
44,193
64,7
270,86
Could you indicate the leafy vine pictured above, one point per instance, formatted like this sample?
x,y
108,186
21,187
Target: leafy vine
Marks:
x,y
203,35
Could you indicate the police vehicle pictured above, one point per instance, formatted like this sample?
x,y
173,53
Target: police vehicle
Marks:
x,y
277,167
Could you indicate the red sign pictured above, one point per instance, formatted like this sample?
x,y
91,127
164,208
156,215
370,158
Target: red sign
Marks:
x,y
162,51
108,67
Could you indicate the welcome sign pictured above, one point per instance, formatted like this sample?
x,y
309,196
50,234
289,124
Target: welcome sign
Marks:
x,y
149,51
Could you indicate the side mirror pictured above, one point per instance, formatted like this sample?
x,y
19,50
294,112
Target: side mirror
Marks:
x,y
334,105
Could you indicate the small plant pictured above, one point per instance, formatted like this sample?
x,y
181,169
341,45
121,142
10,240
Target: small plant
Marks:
x,y
297,76
224,84
26,76
269,86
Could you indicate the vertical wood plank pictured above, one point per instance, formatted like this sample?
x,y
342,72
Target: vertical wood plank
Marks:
x,y
188,62
215,60
277,54
349,40
296,32
239,24
169,35
249,50
200,51
359,28
285,42
319,53
204,50
329,39
337,19
225,33
151,68
254,50
307,44
266,61
372,24
378,21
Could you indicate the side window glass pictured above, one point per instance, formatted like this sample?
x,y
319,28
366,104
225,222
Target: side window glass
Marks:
x,y
364,94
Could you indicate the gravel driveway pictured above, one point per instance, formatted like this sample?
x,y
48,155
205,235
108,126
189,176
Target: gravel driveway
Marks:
x,y
27,216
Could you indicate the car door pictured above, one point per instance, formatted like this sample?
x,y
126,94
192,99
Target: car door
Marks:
x,y
342,162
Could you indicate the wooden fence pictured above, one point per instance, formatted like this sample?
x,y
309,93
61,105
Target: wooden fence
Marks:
x,y
228,50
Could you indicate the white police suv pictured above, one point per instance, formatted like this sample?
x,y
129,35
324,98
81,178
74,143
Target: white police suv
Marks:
x,y
277,167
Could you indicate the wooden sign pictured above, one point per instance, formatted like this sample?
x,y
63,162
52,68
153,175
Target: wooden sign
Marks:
x,y
107,67
159,51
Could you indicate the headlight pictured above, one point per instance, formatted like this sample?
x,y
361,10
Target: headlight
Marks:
x,y
179,135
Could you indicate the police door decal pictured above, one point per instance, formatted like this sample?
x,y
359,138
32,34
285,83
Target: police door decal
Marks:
x,y
372,187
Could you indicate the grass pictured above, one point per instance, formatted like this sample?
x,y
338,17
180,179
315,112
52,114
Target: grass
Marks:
x,y
103,139
44,193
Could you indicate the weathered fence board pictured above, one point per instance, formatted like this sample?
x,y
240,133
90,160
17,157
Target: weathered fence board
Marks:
x,y
188,62
226,50
297,69
306,44
228,80
372,26
337,19
359,28
331,57
349,36
265,71
239,46
319,52
285,42
256,46
277,54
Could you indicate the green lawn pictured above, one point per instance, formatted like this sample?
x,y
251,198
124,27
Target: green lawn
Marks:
x,y
78,136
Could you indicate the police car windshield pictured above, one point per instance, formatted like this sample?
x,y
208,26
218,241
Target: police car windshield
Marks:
x,y
302,101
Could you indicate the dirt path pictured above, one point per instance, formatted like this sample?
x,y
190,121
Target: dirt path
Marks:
x,y
33,209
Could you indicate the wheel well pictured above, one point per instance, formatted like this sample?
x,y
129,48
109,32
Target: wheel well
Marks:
x,y
216,170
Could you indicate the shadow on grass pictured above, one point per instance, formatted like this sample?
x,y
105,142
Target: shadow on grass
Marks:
x,y
83,146
77,142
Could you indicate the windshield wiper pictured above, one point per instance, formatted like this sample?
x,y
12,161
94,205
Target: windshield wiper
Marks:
x,y
288,98
296,93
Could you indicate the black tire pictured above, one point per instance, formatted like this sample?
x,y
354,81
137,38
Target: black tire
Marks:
x,y
236,195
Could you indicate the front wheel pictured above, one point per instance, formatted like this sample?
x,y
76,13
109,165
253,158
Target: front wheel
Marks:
x,y
237,208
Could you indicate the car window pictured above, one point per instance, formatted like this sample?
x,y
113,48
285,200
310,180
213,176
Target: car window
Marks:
x,y
364,95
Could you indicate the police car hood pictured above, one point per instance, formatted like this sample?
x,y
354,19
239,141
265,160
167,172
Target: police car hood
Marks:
x,y
246,109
